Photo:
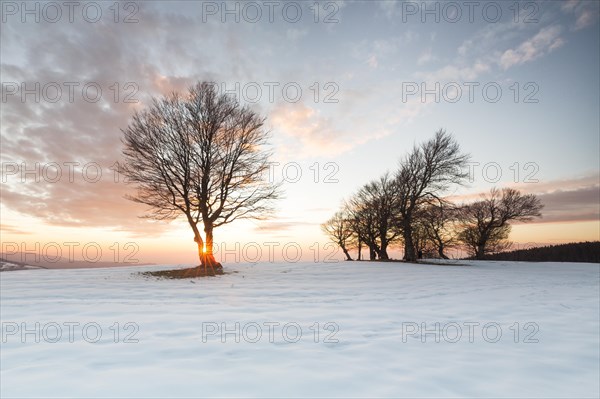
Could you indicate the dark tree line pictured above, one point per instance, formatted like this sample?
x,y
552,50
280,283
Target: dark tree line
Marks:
x,y
408,208
574,252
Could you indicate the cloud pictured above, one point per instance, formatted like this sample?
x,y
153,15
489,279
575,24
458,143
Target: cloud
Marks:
x,y
454,73
544,42
8,228
304,129
464,47
510,43
388,7
372,61
585,12
585,18
574,183
564,200
567,200
376,51
87,132
569,5
279,226
315,132
295,34
426,57
82,202
474,57
571,205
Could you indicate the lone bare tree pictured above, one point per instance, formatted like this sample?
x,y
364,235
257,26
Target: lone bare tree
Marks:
x,y
339,231
200,156
429,170
485,222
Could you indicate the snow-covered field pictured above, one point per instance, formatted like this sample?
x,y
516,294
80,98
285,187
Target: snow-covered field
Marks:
x,y
345,330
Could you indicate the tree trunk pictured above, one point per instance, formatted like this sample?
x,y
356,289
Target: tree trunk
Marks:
x,y
359,250
409,247
208,258
480,251
348,257
441,252
383,255
200,243
197,240
372,254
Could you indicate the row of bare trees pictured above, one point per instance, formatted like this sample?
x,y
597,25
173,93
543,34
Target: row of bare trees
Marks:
x,y
408,207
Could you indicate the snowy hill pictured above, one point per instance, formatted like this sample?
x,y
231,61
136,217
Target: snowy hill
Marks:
x,y
6,266
356,329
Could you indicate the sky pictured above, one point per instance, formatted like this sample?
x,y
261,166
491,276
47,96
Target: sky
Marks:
x,y
348,88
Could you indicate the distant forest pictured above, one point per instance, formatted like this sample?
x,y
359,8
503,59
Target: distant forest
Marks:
x,y
573,252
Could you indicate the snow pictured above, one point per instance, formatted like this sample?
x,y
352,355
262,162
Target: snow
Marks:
x,y
6,266
375,306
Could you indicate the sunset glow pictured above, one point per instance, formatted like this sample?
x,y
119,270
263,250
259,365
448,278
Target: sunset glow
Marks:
x,y
362,108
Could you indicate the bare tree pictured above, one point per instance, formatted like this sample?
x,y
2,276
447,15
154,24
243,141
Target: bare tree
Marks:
x,y
363,221
385,202
202,157
428,171
485,222
379,196
356,228
438,222
497,240
423,245
339,230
